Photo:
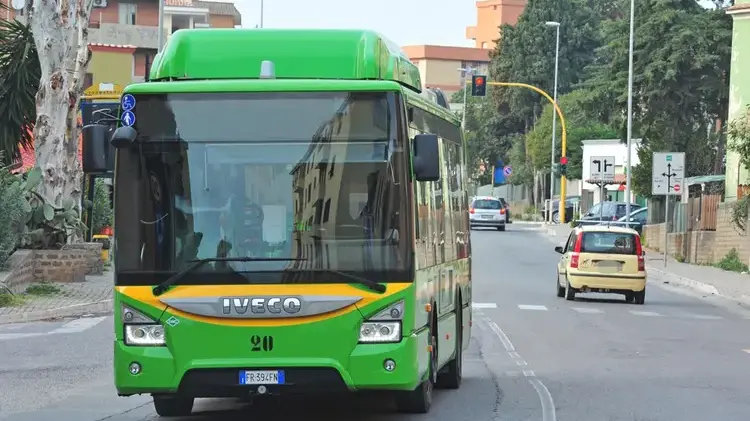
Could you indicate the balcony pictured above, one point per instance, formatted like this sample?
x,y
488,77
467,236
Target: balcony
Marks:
x,y
121,34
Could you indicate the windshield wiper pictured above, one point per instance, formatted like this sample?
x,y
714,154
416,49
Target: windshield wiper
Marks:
x,y
369,283
162,287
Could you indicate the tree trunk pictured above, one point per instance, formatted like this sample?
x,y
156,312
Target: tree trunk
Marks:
x,y
60,29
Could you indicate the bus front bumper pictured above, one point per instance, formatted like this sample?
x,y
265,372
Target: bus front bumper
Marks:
x,y
159,372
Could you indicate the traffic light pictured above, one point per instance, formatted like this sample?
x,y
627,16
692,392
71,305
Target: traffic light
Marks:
x,y
478,85
563,170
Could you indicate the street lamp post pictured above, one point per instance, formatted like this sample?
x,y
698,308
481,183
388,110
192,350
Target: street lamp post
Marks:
x,y
160,35
261,13
628,168
555,25
467,72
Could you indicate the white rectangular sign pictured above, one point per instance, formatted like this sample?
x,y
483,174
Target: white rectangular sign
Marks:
x,y
668,173
602,168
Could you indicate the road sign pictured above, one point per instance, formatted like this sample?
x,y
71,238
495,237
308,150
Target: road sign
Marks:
x,y
602,168
507,170
128,118
668,173
128,102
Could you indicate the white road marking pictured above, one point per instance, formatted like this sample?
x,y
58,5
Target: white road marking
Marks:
x,y
548,404
514,354
704,317
78,325
500,334
644,313
587,310
532,307
7,336
483,305
746,350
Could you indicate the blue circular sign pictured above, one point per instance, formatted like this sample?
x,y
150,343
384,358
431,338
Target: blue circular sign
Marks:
x,y
507,170
128,118
128,102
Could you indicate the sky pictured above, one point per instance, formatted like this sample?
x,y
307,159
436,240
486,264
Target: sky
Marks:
x,y
406,22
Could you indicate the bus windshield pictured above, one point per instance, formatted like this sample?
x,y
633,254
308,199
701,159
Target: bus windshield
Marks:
x,y
317,178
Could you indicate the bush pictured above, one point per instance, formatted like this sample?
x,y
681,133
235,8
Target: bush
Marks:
x,y
102,214
47,227
11,213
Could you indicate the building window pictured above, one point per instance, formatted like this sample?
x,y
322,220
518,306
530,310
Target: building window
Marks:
x,y
128,11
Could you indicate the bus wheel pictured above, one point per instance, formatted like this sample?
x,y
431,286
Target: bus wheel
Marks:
x,y
173,405
419,400
451,377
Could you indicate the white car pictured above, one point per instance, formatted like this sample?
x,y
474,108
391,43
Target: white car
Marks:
x,y
487,211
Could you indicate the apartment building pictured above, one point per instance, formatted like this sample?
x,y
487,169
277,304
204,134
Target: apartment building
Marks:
x,y
440,66
123,35
490,15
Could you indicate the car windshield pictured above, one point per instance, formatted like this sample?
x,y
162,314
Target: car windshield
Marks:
x,y
327,189
608,243
487,204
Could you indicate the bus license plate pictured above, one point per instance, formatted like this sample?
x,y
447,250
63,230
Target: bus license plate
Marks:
x,y
262,377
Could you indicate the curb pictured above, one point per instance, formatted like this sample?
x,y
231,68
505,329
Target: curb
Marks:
x,y
104,306
687,282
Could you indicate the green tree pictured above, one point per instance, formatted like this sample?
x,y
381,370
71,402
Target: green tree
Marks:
x,y
680,86
581,125
526,53
19,82
483,147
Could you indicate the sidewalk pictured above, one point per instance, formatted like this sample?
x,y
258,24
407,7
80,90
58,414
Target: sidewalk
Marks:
x,y
73,299
705,279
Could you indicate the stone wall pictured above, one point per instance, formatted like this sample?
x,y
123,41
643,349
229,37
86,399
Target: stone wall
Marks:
x,y
72,264
702,246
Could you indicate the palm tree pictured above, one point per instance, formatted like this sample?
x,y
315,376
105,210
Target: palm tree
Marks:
x,y
19,83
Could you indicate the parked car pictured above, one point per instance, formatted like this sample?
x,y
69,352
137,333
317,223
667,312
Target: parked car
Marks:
x,y
570,203
606,211
637,219
602,259
487,211
506,205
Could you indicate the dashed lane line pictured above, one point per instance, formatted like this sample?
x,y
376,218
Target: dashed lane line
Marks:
x,y
545,397
532,307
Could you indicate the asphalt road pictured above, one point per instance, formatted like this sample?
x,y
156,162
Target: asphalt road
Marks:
x,y
533,356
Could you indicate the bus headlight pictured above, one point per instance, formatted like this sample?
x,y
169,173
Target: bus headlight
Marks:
x,y
384,326
144,335
141,330
380,332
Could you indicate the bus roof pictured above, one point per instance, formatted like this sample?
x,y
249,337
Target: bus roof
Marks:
x,y
296,54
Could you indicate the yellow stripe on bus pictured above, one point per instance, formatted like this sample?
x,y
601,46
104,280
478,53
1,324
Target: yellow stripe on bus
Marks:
x,y
145,295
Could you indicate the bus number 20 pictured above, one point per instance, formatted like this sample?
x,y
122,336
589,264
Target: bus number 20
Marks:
x,y
261,343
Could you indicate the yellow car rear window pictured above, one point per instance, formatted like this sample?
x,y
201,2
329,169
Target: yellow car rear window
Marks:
x,y
608,243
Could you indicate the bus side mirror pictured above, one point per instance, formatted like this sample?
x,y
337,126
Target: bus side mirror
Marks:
x,y
426,157
98,155
124,137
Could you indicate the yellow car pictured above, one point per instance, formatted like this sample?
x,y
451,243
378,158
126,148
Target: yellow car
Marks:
x,y
604,259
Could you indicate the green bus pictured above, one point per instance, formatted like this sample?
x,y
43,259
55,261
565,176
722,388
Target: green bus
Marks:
x,y
291,216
